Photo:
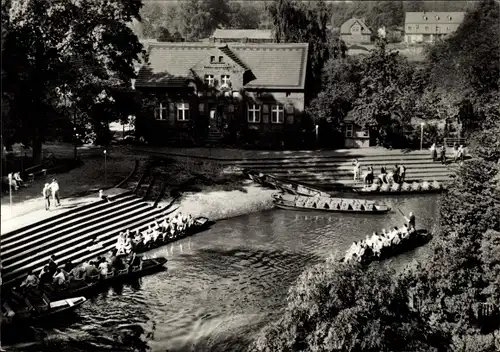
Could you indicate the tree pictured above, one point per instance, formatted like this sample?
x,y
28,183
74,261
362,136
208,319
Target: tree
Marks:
x,y
164,35
199,18
386,13
340,307
298,23
55,49
385,101
152,17
244,16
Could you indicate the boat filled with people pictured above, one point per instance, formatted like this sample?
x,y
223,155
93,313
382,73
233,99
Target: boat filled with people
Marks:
x,y
161,232
401,188
386,244
329,204
285,186
22,306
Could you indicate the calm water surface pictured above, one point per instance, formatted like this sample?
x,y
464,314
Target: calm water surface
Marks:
x,y
222,285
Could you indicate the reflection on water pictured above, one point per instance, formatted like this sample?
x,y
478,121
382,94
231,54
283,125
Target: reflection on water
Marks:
x,y
222,285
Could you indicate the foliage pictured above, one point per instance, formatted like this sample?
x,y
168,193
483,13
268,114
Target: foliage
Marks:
x,y
295,22
59,50
337,307
244,15
340,88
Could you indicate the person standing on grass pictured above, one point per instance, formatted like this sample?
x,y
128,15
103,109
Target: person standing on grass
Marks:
x,y
46,195
54,186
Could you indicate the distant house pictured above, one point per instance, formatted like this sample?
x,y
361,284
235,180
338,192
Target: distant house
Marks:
x,y
355,31
425,27
242,36
209,90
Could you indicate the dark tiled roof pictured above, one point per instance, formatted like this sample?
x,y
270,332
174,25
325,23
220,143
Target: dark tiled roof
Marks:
x,y
242,33
278,66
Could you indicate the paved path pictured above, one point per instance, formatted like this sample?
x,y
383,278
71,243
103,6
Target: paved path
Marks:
x,y
238,154
33,210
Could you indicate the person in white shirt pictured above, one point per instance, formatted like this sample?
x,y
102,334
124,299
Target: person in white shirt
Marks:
x,y
357,169
54,187
46,192
59,278
18,179
104,267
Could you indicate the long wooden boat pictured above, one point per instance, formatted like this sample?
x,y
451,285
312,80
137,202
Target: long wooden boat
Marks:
x,y
331,205
91,285
415,240
200,224
292,198
22,310
408,188
286,186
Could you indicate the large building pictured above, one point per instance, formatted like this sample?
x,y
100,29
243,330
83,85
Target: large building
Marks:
x,y
424,27
212,90
355,31
242,36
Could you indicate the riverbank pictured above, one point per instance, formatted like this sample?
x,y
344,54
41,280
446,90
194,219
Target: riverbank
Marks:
x,y
217,204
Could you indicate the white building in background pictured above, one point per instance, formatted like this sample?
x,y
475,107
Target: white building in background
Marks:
x,y
425,27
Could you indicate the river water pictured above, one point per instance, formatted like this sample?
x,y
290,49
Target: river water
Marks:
x,y
221,285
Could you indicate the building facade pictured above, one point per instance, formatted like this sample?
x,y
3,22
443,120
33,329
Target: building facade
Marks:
x,y
216,91
242,36
355,31
426,27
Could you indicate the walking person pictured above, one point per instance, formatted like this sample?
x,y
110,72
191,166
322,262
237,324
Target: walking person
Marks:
x,y
461,154
356,170
54,186
434,153
402,173
443,155
46,192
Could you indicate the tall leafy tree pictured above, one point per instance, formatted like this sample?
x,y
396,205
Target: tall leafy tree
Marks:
x,y
244,16
199,18
298,23
55,50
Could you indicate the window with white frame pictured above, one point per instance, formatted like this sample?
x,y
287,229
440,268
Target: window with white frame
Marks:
x,y
209,80
161,111
225,79
278,114
182,111
349,130
253,113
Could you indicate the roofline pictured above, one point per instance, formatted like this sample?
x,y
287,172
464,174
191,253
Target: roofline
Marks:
x,y
235,45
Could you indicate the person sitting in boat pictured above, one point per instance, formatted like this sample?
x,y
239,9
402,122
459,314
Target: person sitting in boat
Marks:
x,y
45,275
91,270
395,187
30,281
59,279
190,220
137,237
116,262
396,239
411,221
52,264
146,237
103,266
405,232
426,186
135,260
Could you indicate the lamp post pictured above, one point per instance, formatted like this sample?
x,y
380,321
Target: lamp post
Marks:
x,y
10,192
317,135
75,136
105,168
421,135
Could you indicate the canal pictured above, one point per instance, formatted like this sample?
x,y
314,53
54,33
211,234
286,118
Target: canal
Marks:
x,y
224,284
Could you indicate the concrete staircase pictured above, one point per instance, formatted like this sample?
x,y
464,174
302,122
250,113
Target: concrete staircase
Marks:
x,y
81,233
336,171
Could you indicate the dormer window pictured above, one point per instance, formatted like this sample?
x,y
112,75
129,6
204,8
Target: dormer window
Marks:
x,y
449,17
425,18
417,26
437,18
221,59
212,59
209,80
426,28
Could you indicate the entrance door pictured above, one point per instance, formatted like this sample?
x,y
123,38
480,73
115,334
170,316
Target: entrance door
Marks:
x,y
215,117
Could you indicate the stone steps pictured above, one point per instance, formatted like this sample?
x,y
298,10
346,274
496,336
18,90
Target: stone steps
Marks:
x,y
73,235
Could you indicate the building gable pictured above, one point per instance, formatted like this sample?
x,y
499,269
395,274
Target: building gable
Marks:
x,y
347,26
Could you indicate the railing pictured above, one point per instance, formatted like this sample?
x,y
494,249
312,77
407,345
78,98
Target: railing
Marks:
x,y
449,142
